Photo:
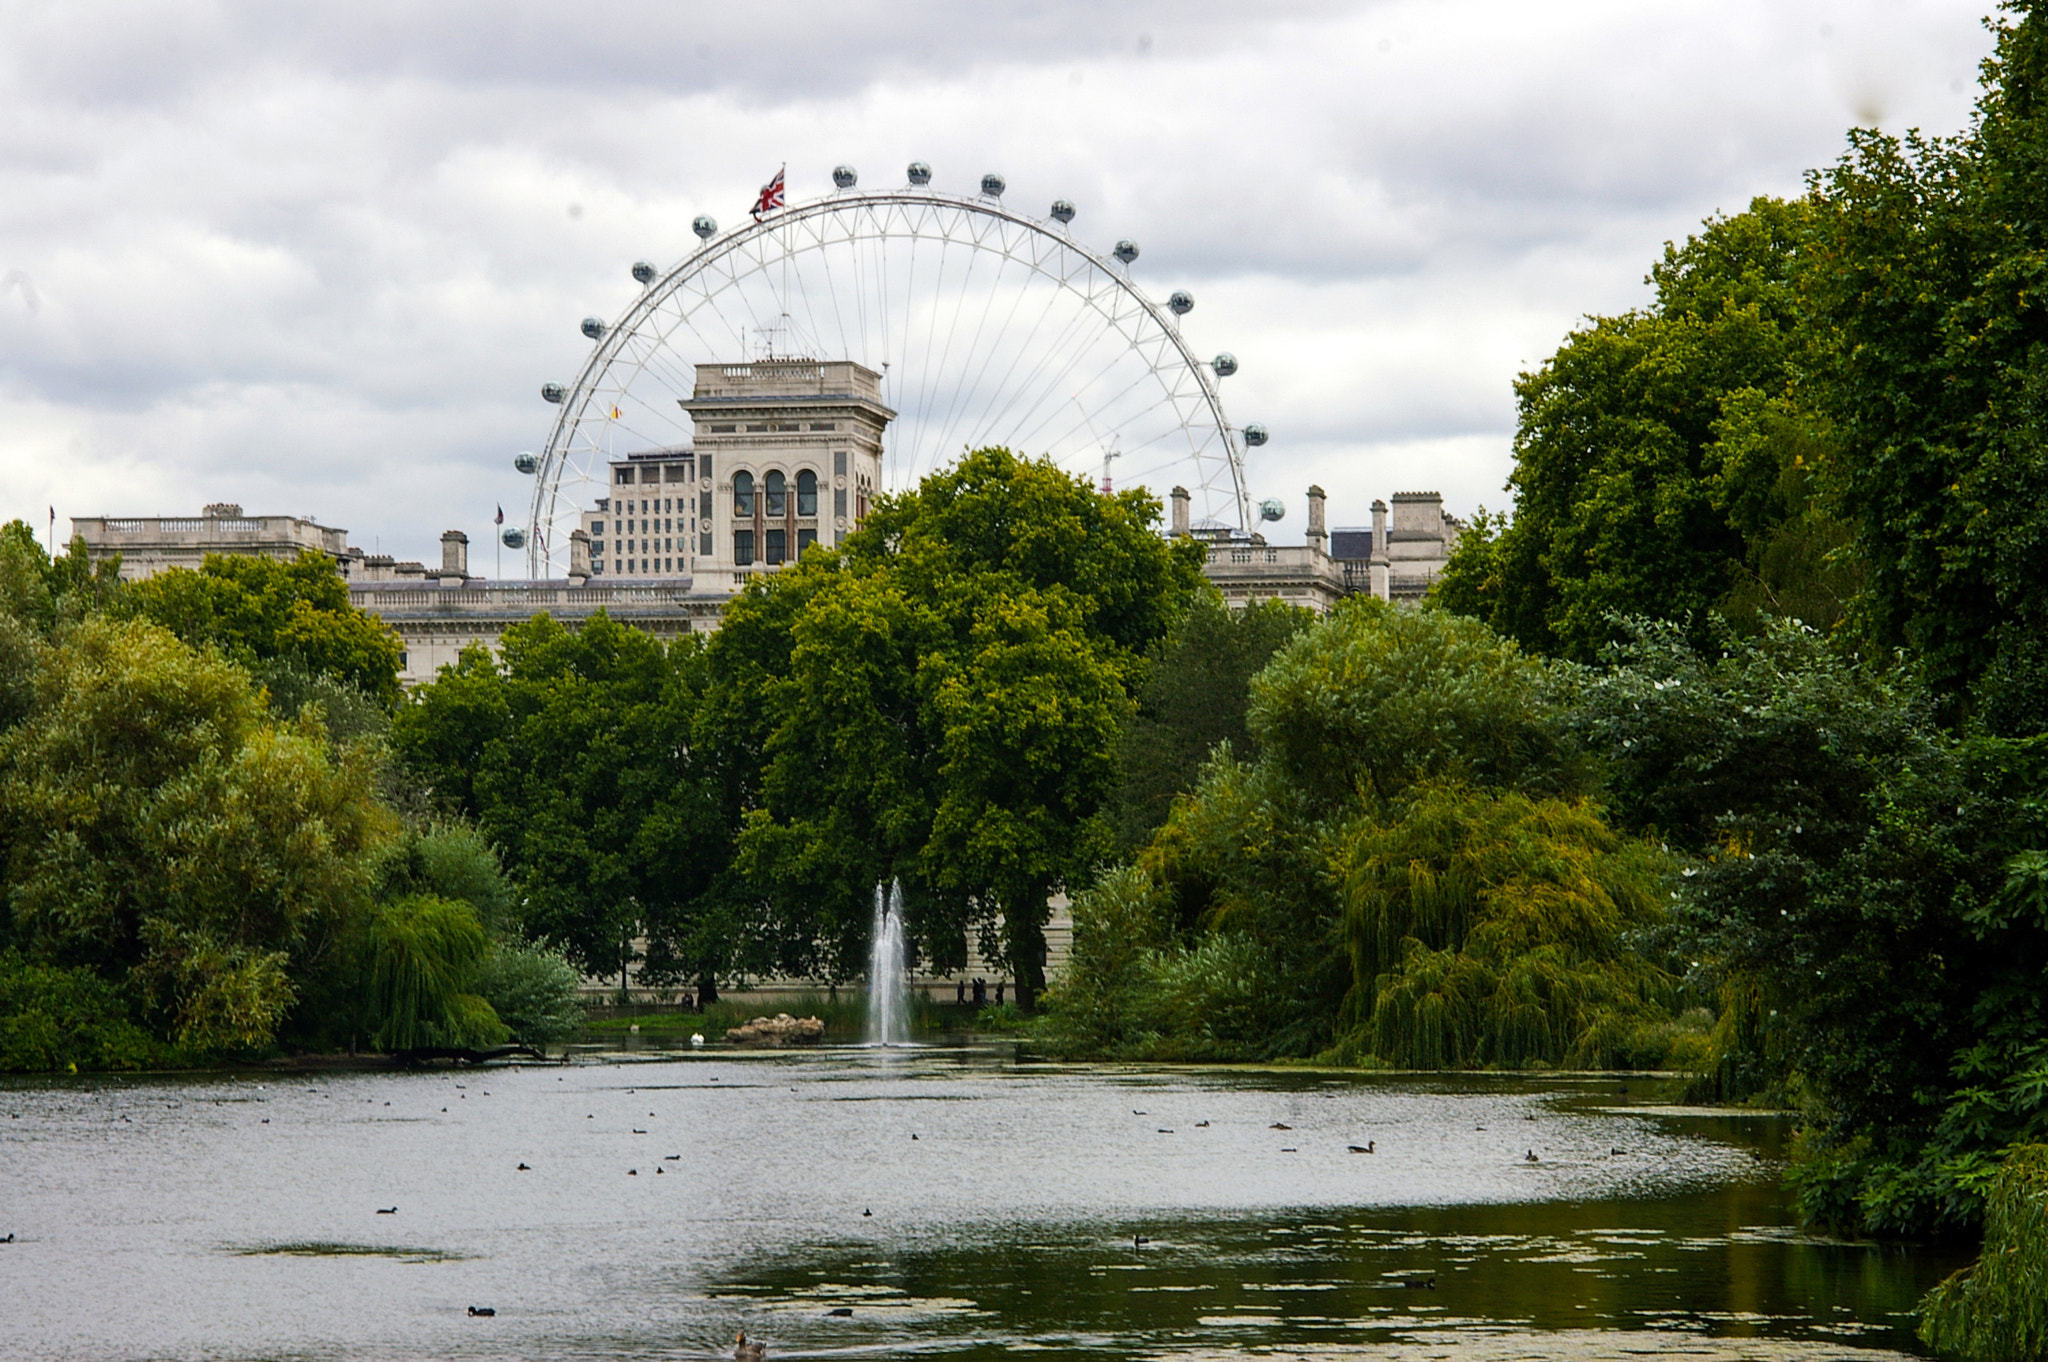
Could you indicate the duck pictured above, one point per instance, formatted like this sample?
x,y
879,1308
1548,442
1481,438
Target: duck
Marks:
x,y
9,1239
1365,1148
1530,1157
840,1312
743,1351
482,1311
523,1169
1139,1241
387,1210
1279,1125
1201,1125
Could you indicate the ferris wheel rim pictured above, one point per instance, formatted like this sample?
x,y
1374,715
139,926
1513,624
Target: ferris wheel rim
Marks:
x,y
608,349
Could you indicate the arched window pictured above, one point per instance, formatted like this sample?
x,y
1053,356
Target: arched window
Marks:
x,y
777,495
743,494
807,493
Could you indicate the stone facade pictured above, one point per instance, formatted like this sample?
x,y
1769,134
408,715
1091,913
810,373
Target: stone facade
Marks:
x,y
786,453
147,545
1398,561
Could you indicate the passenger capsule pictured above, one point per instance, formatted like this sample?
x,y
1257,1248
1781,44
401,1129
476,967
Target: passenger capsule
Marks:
x,y
845,177
593,327
553,392
514,537
920,173
1272,508
705,226
1224,364
644,272
1182,302
1126,250
1255,435
526,461
993,186
1062,211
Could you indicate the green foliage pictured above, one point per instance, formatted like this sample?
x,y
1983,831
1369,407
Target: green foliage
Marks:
x,y
258,610
533,991
1664,458
1491,929
1939,382
574,755
425,957
1997,1309
161,828
1196,694
44,594
938,701
1862,896
1407,872
1378,698
62,1020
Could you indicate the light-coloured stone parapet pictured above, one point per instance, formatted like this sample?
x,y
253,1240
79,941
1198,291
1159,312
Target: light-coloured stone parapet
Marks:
x,y
437,623
148,545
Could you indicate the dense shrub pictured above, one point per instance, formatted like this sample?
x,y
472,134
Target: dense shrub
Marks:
x,y
61,1020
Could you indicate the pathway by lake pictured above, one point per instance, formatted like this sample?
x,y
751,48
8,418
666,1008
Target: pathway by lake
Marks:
x,y
950,1202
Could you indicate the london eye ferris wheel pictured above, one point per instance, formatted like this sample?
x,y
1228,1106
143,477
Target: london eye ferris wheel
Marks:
x,y
989,326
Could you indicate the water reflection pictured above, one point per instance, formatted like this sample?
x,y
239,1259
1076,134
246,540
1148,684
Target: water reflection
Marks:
x,y
942,1200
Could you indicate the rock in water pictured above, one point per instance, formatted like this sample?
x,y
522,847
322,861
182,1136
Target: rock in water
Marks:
x,y
780,1029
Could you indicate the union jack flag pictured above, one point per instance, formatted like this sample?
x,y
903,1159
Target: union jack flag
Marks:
x,y
771,196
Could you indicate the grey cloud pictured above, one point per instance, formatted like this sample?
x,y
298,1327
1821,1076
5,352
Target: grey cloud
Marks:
x,y
325,254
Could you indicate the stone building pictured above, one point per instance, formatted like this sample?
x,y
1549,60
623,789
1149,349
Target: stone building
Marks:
x,y
1399,561
1396,562
786,453
146,545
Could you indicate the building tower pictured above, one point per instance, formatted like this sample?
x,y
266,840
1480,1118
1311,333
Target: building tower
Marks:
x,y
787,453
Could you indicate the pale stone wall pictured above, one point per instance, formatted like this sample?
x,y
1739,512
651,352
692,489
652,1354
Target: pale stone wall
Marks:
x,y
148,545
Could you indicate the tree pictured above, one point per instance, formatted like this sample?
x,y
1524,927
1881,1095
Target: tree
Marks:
x,y
1196,693
1858,892
1256,874
574,754
936,701
1938,377
1665,458
259,611
163,831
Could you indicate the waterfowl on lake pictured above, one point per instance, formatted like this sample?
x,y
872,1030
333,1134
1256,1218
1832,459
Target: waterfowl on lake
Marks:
x,y
482,1311
1365,1148
749,1352
388,1210
841,1312
1201,1125
524,1169
1530,1157
1279,1125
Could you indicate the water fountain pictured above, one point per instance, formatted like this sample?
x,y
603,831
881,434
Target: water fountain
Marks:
x,y
888,1020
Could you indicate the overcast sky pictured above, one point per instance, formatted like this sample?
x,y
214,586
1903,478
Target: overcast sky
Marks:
x,y
318,259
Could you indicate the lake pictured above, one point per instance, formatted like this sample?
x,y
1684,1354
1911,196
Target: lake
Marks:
x,y
951,1201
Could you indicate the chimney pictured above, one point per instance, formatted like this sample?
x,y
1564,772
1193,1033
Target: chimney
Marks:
x,y
1379,572
455,556
579,557
1180,511
1316,538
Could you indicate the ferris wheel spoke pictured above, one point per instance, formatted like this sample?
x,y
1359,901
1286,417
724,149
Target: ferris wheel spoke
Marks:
x,y
943,294
970,374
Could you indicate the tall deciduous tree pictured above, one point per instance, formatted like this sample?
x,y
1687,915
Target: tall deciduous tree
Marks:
x,y
258,610
575,755
1664,458
938,701
1938,251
